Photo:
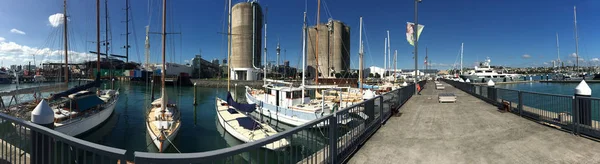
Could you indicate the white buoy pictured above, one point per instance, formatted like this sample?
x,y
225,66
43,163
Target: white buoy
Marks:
x,y
583,89
461,80
42,114
404,84
468,81
491,83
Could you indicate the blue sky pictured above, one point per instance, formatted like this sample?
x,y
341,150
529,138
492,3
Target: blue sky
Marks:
x,y
511,32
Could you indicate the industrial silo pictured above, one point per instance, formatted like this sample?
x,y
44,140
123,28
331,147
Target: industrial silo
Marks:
x,y
334,49
246,27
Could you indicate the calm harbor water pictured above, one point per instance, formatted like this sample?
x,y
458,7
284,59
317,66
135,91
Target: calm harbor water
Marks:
x,y
553,88
200,130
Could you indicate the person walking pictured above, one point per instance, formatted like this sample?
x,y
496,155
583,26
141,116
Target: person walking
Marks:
x,y
419,89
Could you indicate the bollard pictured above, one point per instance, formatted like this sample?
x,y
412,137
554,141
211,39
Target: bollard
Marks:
x,y
483,80
584,106
195,98
491,90
546,77
504,79
40,143
112,85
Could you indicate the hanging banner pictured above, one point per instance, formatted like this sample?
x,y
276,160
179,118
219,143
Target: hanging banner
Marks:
x,y
410,32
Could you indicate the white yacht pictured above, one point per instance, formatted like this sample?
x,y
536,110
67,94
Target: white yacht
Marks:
x,y
484,73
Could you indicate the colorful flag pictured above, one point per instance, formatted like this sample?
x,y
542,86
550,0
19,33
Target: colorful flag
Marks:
x,y
410,32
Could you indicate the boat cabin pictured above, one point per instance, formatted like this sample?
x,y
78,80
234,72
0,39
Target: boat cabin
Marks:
x,y
286,96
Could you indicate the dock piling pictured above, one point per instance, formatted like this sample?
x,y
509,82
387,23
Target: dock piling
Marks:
x,y
195,98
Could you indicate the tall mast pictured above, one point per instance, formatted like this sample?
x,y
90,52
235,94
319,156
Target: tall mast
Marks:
x,y
98,39
265,60
385,57
389,51
426,56
164,71
126,31
106,43
461,58
229,49
303,55
395,63
557,51
416,41
317,42
360,60
576,38
147,46
66,44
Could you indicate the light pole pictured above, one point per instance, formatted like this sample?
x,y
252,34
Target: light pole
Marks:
x,y
416,41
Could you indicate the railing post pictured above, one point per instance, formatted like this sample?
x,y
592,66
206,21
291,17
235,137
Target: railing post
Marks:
x,y
333,139
520,106
381,119
583,105
575,115
40,143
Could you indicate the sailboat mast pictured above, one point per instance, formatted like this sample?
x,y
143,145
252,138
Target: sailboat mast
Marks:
x,y
360,61
557,51
66,43
127,31
395,63
229,49
317,42
106,43
265,60
389,51
461,58
97,39
303,55
576,38
164,71
385,57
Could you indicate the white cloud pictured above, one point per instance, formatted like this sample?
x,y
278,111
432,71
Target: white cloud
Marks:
x,y
13,53
439,65
16,31
595,60
573,55
546,63
2,39
56,19
526,56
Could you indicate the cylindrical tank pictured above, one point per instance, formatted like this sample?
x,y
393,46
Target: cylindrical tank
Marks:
x,y
246,27
334,49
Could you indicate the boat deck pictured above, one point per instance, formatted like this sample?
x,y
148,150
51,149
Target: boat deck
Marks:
x,y
261,131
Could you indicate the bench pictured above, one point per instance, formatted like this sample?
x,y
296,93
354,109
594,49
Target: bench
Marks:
x,y
446,97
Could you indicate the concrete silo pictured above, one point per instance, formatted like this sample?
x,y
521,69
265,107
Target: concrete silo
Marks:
x,y
246,27
334,49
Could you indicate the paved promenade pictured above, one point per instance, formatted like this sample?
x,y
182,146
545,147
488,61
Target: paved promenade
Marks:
x,y
469,131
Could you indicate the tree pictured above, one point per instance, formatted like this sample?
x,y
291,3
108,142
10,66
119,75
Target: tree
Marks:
x,y
377,75
371,75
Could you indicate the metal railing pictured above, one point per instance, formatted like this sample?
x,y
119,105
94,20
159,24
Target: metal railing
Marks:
x,y
577,114
26,142
328,139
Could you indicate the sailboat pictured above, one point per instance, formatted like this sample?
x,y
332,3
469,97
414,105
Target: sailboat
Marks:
x,y
78,110
235,117
293,106
164,118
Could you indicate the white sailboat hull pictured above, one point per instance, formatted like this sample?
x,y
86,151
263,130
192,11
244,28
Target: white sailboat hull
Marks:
x,y
85,124
248,137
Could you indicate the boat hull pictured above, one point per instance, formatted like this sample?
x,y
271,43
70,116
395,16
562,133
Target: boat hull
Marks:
x,y
161,145
479,79
244,138
84,124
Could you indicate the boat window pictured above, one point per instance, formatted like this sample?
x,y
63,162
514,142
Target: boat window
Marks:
x,y
488,71
297,94
479,71
287,95
488,76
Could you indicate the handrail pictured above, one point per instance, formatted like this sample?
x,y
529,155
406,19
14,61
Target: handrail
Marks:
x,y
86,145
234,150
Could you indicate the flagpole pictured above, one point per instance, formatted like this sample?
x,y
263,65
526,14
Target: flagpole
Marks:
x,y
416,41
